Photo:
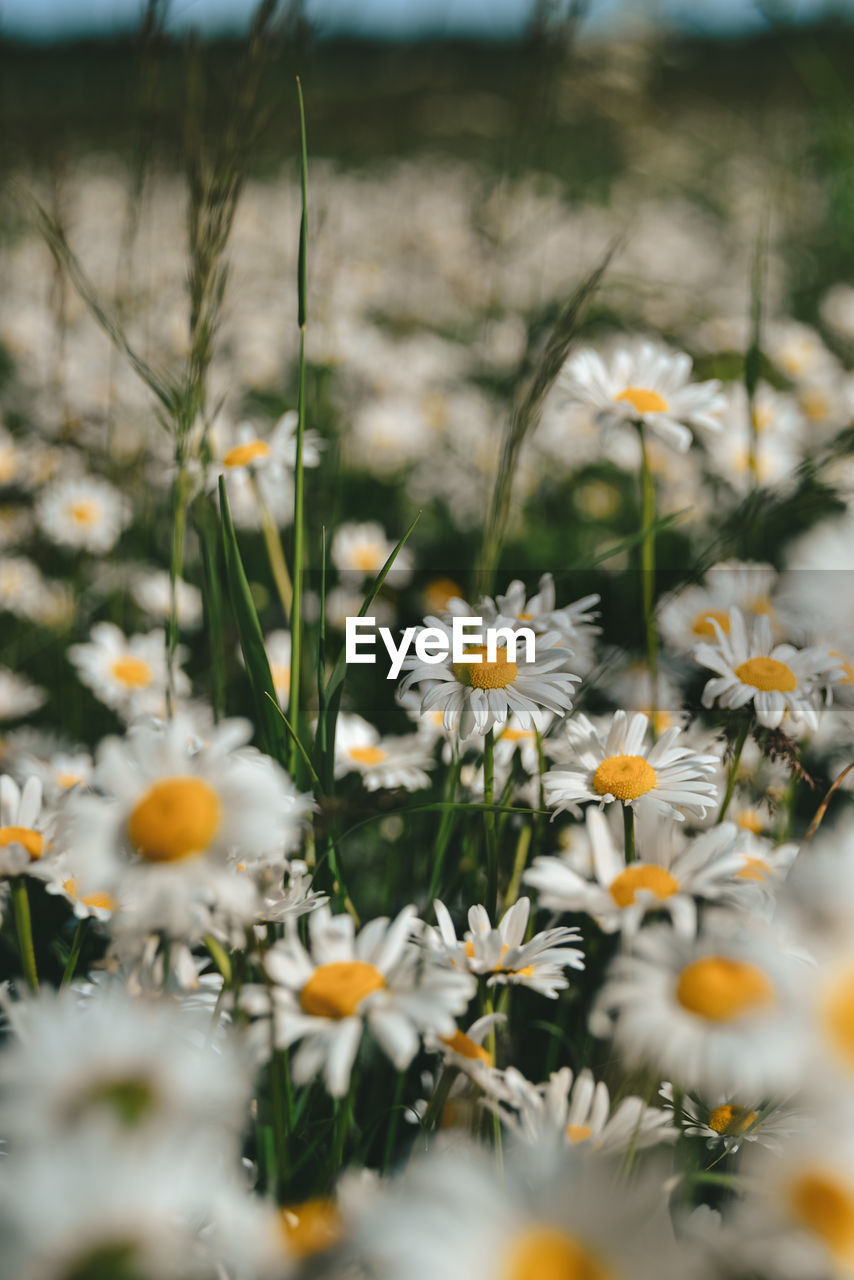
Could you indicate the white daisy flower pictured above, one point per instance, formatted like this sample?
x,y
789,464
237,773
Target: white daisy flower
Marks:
x,y
776,678
18,696
253,463
362,550
623,766
514,741
668,875
62,883
720,1013
769,455
84,512
500,953
383,762
650,385
629,685
685,617
727,1124
465,1051
327,994
481,695
571,1110
288,898
797,350
128,673
24,830
152,591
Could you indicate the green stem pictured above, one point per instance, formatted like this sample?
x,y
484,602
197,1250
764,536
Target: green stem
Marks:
x,y
394,1120
489,825
433,1115
24,930
523,844
219,956
280,1094
343,1122
74,954
275,554
299,500
629,832
733,769
648,577
180,501
446,826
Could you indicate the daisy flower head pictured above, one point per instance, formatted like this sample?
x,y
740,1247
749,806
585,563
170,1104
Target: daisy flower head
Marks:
x,y
576,622
777,679
24,829
667,875
255,464
128,673
726,1124
383,762
570,1110
647,384
500,953
84,513
465,1050
328,993
152,591
480,694
18,696
685,617
622,765
721,1012
361,550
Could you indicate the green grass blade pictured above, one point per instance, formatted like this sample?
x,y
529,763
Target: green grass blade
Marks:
x,y
207,528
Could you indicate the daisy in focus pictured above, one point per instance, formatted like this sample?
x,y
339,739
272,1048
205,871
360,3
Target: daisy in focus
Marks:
x,y
622,765
648,385
24,829
727,1124
777,679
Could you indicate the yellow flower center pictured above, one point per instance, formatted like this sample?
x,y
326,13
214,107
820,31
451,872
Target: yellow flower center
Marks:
x,y
625,777
730,1118
826,1208
656,880
767,675
311,1227
367,755
244,454
754,869
102,900
644,400
32,841
67,780
838,1016
761,605
578,1132
518,735
132,672
702,625
846,666
545,1253
85,512
462,1044
176,818
751,820
720,989
281,676
369,557
336,990
486,675
438,594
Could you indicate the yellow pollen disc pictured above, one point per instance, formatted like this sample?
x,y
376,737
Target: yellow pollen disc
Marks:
x,y
644,400
657,880
369,557
846,666
311,1227
524,617
32,841
367,755
578,1132
67,780
102,900
730,1118
761,605
544,1253
486,675
244,454
826,1208
336,990
754,869
720,989
625,777
462,1044
815,405
518,735
701,626
438,593
838,1016
751,820
281,676
176,818
85,513
767,675
132,672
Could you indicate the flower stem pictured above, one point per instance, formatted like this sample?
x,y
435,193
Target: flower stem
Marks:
x,y
394,1120
629,832
275,554
733,769
74,954
343,1123
24,930
489,824
648,577
446,826
523,844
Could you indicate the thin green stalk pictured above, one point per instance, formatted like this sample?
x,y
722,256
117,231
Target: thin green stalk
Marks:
x,y
74,954
394,1120
489,825
523,844
299,499
648,519
733,769
446,826
432,1117
629,832
343,1122
280,1094
181,492
24,930
275,553
219,956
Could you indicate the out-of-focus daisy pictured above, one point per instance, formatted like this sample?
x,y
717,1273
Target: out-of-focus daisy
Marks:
x,y
18,696
24,833
526,743
277,646
648,384
128,673
327,994
685,617
465,1050
362,550
668,875
797,350
152,591
623,766
85,513
776,678
256,463
572,1110
383,762
481,695
718,1014
767,454
500,953
727,1124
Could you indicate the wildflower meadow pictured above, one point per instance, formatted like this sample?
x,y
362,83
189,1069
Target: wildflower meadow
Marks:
x,y
427,655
